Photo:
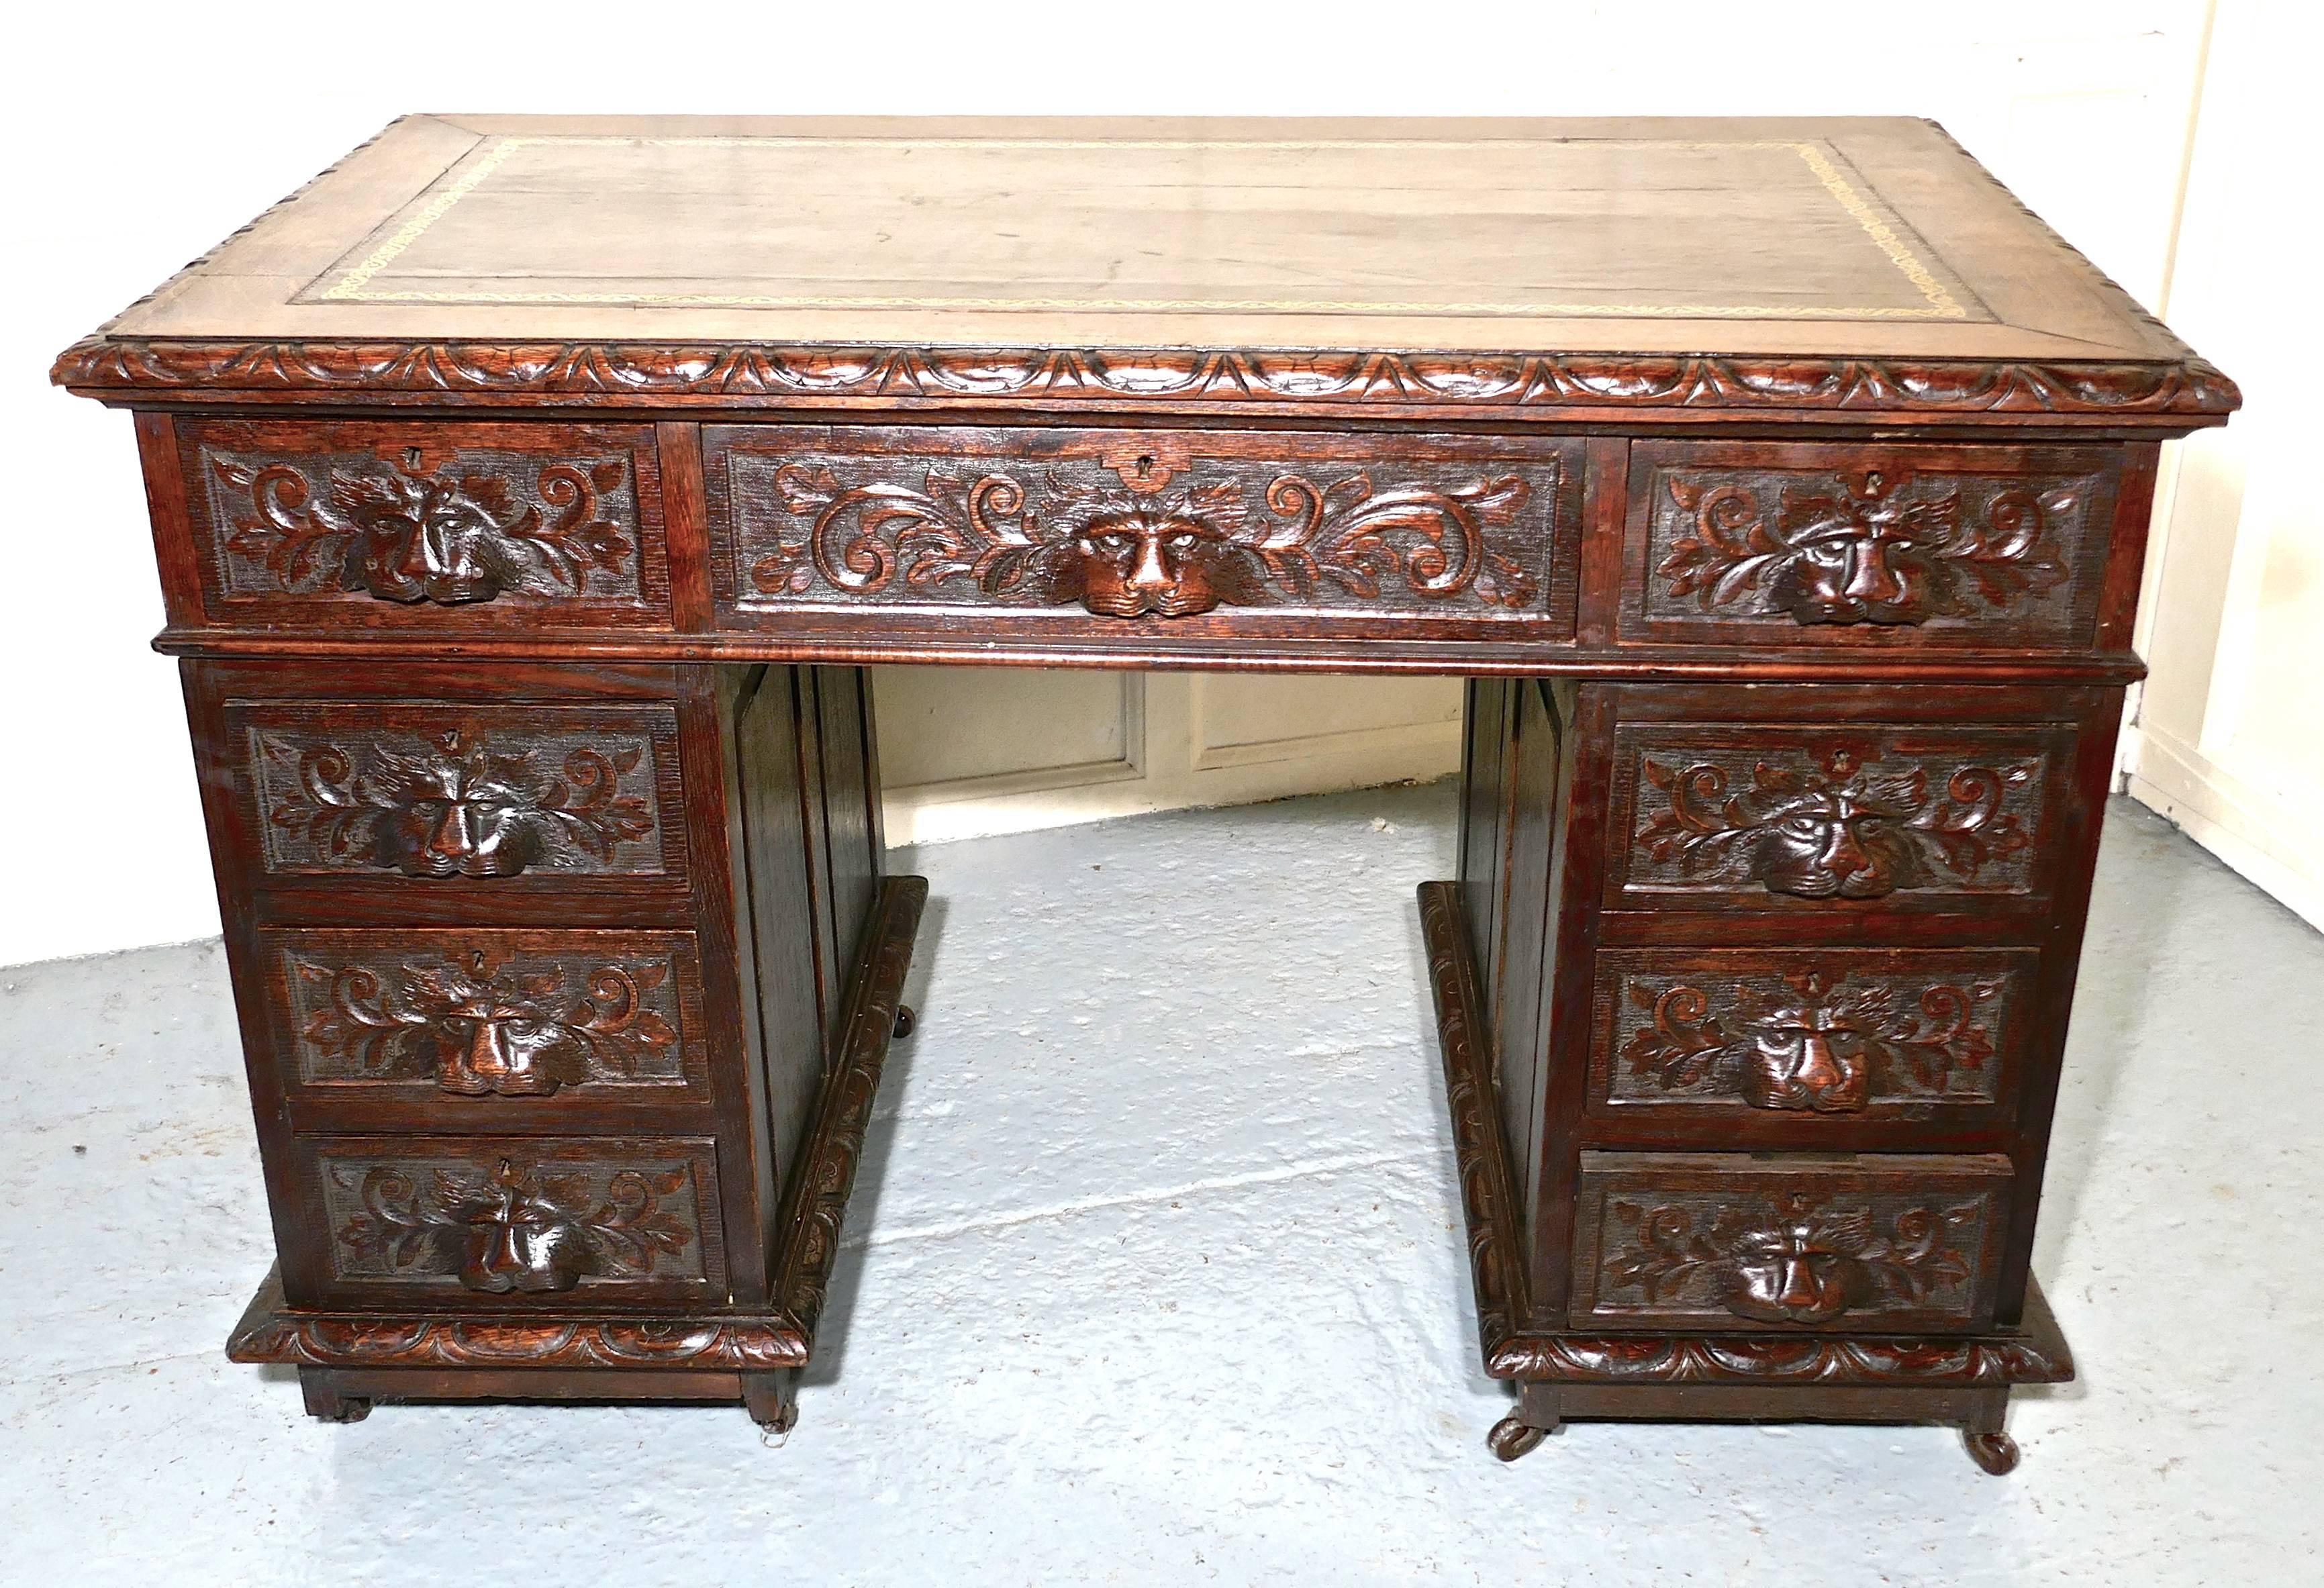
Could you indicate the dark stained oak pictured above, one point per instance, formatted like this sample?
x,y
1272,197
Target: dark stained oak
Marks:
x,y
529,493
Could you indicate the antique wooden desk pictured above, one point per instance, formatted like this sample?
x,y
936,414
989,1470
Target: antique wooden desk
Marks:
x,y
529,493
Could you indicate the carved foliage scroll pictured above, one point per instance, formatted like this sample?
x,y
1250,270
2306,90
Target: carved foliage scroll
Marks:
x,y
1836,1033
484,1014
1855,818
483,797
1143,539
508,1225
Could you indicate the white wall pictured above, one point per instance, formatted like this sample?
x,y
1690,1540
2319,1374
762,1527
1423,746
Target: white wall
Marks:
x,y
2227,736
144,136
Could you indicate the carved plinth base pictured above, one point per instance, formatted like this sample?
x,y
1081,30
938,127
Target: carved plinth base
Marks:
x,y
1542,1408
347,1361
1962,1380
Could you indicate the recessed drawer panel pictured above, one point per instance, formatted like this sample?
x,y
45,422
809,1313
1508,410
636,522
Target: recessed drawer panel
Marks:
x,y
500,1219
1837,814
429,526
1805,1042
438,791
1819,545
1716,1240
1089,530
459,1020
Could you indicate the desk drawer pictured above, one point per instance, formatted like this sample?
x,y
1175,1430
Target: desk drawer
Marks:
x,y
1892,1243
1796,1045
1858,810
431,527
458,1025
503,1219
1088,529
1841,545
435,792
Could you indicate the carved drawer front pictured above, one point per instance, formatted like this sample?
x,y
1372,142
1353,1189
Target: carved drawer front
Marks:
x,y
1893,1243
455,791
1787,815
503,1219
426,525
1083,529
472,1018
1805,1041
1824,545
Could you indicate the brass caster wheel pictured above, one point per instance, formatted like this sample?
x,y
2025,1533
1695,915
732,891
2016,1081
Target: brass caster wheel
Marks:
x,y
906,1022
1511,1438
1996,1453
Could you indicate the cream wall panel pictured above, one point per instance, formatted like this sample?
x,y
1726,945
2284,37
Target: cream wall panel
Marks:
x,y
2227,736
1192,740
942,726
1244,721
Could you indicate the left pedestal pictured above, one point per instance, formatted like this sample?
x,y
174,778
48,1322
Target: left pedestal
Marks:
x,y
565,993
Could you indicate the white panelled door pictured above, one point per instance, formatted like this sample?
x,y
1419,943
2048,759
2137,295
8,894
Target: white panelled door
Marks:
x,y
967,752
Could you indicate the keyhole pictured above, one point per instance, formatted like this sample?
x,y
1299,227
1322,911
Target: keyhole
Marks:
x,y
411,458
1145,466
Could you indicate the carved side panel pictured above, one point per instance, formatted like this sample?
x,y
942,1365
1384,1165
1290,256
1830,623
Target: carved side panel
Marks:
x,y
474,1013
1761,543
381,524
1137,525
507,1218
1762,813
1665,1240
463,791
1837,1033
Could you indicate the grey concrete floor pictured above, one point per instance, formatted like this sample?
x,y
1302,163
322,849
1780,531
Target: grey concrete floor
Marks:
x,y
1154,1276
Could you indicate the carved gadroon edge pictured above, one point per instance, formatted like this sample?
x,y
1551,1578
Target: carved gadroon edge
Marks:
x,y
747,371
270,1331
826,1172
2036,1353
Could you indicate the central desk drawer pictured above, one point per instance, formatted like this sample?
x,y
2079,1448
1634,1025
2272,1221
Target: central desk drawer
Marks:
x,y
1893,1243
1088,529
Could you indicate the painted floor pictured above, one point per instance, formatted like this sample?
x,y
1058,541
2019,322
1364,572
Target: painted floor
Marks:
x,y
1154,1278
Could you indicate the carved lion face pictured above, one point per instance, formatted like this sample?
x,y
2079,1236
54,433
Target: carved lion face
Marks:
x,y
1805,1058
477,816
490,1036
1142,561
1849,841
519,1238
425,538
1802,1272
1861,559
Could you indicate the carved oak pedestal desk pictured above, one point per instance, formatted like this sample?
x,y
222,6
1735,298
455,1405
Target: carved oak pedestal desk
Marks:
x,y
529,493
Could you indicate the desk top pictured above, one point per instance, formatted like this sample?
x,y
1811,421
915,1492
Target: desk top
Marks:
x,y
1826,263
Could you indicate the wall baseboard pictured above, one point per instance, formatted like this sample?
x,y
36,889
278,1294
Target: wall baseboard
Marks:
x,y
2246,828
